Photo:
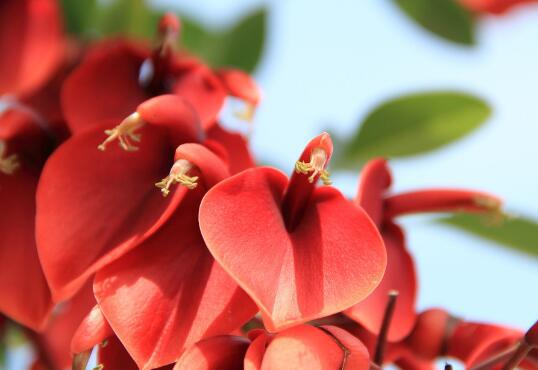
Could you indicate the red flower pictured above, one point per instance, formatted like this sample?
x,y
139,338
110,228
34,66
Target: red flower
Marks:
x,y
400,273
494,6
300,347
301,252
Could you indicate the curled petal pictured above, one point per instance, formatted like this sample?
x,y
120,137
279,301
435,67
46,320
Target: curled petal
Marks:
x,y
169,293
217,353
374,182
240,85
93,329
93,206
333,259
31,41
440,200
400,276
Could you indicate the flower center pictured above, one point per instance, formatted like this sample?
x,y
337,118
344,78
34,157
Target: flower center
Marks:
x,y
8,164
124,133
178,175
316,166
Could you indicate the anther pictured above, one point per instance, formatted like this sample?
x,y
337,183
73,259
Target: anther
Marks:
x,y
124,133
178,175
316,166
247,113
8,164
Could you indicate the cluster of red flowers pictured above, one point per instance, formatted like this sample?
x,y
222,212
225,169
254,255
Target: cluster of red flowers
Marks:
x,y
133,221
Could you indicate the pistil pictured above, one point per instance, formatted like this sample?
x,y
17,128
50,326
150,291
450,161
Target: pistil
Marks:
x,y
178,175
124,133
316,166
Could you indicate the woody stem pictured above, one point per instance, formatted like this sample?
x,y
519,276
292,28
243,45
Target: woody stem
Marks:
x,y
385,325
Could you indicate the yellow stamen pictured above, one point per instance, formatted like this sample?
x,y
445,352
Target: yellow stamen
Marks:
x,y
495,215
8,164
178,175
318,159
124,133
246,114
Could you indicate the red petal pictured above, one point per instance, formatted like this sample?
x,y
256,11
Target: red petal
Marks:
x,y
104,87
256,350
218,353
498,7
114,356
239,156
307,347
24,294
93,329
374,182
473,343
240,85
332,260
169,293
200,87
430,333
440,200
400,276
94,206
31,41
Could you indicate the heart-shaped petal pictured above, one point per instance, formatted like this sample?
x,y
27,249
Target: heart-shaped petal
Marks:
x,y
332,259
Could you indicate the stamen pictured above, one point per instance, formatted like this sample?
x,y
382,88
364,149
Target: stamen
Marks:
x,y
318,159
247,113
178,175
124,133
8,164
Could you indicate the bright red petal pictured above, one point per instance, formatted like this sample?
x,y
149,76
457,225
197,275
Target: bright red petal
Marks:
x,y
400,276
494,6
217,353
31,41
94,206
169,293
24,294
256,350
240,85
93,330
375,181
332,260
239,156
104,87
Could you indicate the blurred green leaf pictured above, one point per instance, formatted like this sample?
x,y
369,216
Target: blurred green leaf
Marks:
x,y
239,46
413,124
513,232
445,18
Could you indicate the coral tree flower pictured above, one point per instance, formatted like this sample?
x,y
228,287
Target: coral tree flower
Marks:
x,y
30,30
299,347
494,6
400,274
301,252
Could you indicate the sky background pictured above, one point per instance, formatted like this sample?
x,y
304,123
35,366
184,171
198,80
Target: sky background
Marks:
x,y
327,64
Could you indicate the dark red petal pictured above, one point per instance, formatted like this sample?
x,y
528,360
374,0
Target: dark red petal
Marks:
x,y
217,353
374,182
24,294
240,85
473,343
56,339
440,200
93,329
531,336
333,259
254,355
94,206
239,155
104,87
400,276
169,293
113,356
307,347
201,88
31,41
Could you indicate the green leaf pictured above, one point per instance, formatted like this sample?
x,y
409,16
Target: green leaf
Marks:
x,y
413,124
78,14
240,46
517,233
445,18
